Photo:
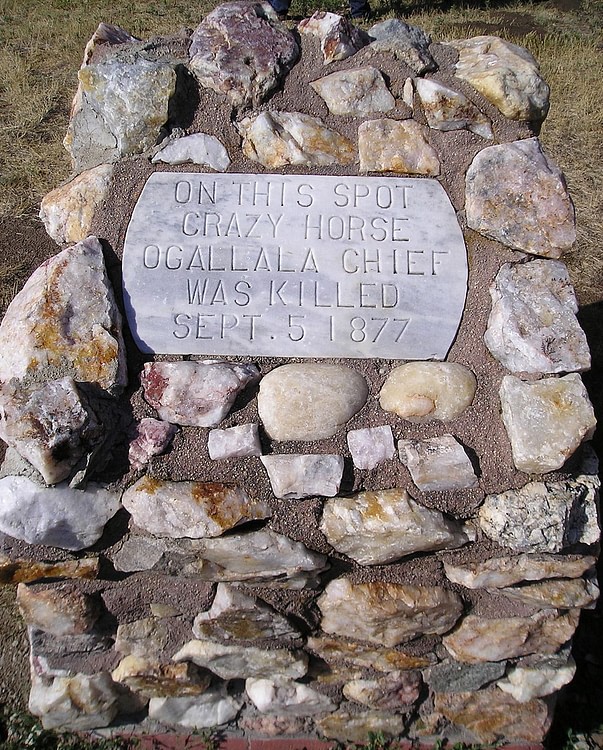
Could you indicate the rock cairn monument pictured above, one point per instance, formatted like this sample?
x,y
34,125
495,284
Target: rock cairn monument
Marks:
x,y
295,425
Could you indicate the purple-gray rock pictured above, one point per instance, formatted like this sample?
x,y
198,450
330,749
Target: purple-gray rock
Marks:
x,y
152,438
339,39
409,44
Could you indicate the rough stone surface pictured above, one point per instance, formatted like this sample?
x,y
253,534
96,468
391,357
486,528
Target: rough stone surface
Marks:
x,y
409,44
241,50
28,571
309,401
190,509
288,698
506,74
336,650
277,139
339,39
533,326
478,639
424,391
296,476
199,394
234,442
146,638
371,446
437,464
379,527
536,677
395,691
559,594
396,146
153,679
67,323
214,708
68,211
446,109
348,726
515,194
452,677
355,92
386,613
546,420
56,516
198,148
57,611
152,438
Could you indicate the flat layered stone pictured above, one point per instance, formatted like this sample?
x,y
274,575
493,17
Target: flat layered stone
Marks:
x,y
395,691
198,394
446,109
235,615
336,650
506,74
437,464
55,516
478,639
66,322
339,39
386,613
370,446
277,139
309,401
558,594
396,146
240,49
153,679
18,570
234,442
347,726
190,509
452,677
198,148
213,708
295,476
355,92
424,391
379,527
67,211
536,677
546,420
516,195
408,44
58,610
286,697
543,516
232,662
152,438
533,326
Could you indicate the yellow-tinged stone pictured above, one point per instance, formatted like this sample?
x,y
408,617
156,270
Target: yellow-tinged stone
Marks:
x,y
27,571
392,146
361,655
154,679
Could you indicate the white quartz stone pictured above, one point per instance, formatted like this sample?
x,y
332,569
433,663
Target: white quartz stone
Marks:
x,y
538,677
558,594
198,148
305,291
437,464
212,708
287,697
396,146
371,446
446,109
356,91
58,611
234,442
295,476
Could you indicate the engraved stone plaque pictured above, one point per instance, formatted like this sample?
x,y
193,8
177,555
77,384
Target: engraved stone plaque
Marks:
x,y
294,266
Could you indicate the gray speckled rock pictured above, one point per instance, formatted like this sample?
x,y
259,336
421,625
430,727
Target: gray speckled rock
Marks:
x,y
409,44
356,91
453,677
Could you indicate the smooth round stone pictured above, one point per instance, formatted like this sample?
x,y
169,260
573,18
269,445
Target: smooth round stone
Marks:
x,y
422,391
309,401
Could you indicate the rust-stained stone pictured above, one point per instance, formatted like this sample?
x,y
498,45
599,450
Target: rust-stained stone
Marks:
x,y
339,39
391,146
352,726
28,571
558,594
334,650
58,610
154,679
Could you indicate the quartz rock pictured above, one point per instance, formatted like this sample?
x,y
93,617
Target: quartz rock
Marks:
x,y
190,509
371,446
537,677
546,420
506,74
478,639
423,391
356,727
198,148
437,464
446,109
395,691
146,638
408,44
498,572
238,662
334,650
155,680
396,146
241,50
235,615
287,697
53,427
56,516
234,442
543,516
199,394
558,594
387,613
270,725
152,439
295,476
492,716
28,571
309,401
119,110
533,326
68,211
339,39
452,677
515,194
78,702
58,610
66,322
211,709
277,139
355,92
379,527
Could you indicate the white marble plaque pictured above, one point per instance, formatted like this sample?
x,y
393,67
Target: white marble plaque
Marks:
x,y
294,266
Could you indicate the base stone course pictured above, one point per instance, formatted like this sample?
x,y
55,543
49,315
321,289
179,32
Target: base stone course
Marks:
x,y
306,261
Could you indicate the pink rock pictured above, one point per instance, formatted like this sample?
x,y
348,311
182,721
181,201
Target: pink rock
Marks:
x,y
339,39
152,438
